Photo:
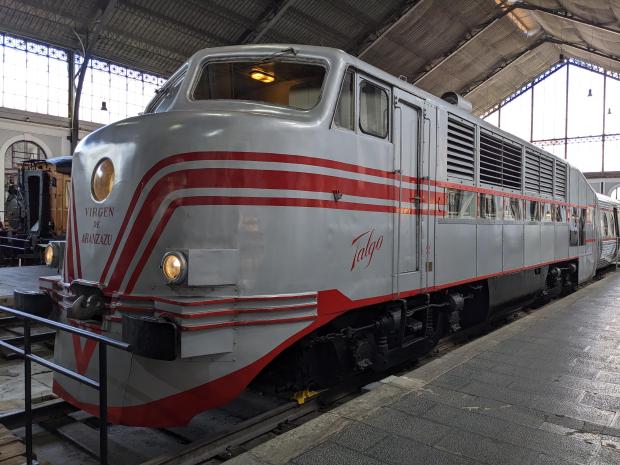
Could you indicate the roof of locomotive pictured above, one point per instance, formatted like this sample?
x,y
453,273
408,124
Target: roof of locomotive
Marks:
x,y
604,198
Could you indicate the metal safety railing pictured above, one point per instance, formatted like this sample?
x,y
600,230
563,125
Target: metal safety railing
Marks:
x,y
100,385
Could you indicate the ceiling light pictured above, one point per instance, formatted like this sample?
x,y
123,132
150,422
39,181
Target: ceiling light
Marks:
x,y
262,76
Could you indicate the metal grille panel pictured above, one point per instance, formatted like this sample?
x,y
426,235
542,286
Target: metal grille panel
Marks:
x,y
500,161
461,148
559,181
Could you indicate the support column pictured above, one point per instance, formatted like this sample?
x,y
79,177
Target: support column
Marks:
x,y
499,116
75,117
532,115
604,120
566,116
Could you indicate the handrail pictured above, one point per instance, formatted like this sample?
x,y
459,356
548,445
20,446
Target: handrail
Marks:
x,y
100,385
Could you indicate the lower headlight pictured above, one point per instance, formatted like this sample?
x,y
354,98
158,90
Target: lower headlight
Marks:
x,y
49,255
53,253
174,267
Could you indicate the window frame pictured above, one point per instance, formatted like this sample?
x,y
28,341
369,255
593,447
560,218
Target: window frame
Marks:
x,y
497,201
351,70
459,218
198,68
387,89
507,207
528,218
544,208
181,75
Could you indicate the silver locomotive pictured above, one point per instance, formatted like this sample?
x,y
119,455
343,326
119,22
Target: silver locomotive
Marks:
x,y
293,214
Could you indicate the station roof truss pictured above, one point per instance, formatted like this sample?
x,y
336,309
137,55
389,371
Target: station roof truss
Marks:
x,y
485,50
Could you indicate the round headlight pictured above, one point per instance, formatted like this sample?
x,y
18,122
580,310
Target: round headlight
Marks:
x,y
102,181
174,267
48,255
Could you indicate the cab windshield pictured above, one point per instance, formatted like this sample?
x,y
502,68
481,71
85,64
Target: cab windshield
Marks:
x,y
280,82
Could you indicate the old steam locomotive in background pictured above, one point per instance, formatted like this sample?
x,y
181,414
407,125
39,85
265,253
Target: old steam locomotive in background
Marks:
x,y
35,209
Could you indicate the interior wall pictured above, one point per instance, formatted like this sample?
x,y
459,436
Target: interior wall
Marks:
x,y
49,132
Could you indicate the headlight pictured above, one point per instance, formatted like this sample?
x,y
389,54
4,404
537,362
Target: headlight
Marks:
x,y
53,253
102,181
174,267
48,255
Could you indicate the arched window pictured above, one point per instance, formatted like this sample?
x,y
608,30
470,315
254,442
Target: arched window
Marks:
x,y
615,194
16,154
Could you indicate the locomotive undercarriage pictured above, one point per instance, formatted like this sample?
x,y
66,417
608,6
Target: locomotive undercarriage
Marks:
x,y
380,337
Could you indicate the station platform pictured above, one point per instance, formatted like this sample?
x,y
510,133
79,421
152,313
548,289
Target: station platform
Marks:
x,y
21,277
542,390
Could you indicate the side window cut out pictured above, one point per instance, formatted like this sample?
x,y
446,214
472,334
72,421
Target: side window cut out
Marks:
x,y
573,226
374,110
533,210
513,209
345,110
461,204
490,207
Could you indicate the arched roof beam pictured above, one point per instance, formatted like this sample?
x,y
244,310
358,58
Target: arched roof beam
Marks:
x,y
371,38
270,16
566,16
183,28
510,60
467,39
591,51
499,67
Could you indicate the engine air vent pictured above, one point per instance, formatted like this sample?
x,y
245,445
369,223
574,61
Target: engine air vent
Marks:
x,y
532,171
559,185
500,161
461,148
546,175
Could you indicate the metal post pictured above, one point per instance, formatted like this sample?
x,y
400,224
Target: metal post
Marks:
x,y
28,392
103,405
532,115
604,118
566,117
499,116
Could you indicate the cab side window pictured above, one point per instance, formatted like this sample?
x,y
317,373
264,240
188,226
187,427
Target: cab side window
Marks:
x,y
345,110
374,110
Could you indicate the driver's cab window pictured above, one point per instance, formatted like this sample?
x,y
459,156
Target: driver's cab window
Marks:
x,y
345,110
374,110
370,102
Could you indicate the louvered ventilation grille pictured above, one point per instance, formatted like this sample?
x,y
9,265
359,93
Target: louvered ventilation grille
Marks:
x,y
546,175
500,161
538,173
560,179
461,145
532,171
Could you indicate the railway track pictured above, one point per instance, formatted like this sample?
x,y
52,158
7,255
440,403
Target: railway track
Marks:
x,y
211,437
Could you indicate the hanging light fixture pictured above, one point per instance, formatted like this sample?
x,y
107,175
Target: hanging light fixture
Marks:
x,y
104,107
589,92
609,111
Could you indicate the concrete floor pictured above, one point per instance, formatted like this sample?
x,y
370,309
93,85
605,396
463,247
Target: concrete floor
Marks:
x,y
543,390
21,277
12,371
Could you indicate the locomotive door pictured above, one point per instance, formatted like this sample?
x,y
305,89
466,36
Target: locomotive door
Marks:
x,y
407,148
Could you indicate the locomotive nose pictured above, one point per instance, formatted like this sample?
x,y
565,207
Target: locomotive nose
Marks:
x,y
127,179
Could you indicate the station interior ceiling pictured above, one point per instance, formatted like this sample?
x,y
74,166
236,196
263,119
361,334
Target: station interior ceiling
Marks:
x,y
482,49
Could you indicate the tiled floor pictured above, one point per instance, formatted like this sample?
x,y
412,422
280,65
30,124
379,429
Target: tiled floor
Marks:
x,y
543,390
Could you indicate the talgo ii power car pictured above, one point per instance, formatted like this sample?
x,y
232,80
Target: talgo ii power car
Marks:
x,y
294,214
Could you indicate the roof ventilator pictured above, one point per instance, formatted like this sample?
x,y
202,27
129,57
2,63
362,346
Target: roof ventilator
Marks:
x,y
457,100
